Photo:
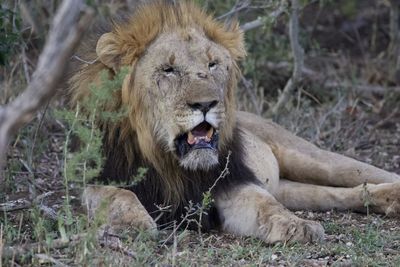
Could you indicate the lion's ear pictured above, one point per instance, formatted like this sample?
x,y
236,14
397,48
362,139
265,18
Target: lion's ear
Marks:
x,y
108,51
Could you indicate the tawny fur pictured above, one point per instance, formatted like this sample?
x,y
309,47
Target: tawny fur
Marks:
x,y
314,179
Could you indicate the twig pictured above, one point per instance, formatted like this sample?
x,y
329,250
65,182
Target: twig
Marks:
x,y
191,211
114,243
394,45
72,18
25,13
253,98
394,27
298,58
385,120
314,98
252,24
85,61
224,172
240,5
25,66
28,249
60,243
19,204
52,260
41,120
362,88
1,245
312,76
272,16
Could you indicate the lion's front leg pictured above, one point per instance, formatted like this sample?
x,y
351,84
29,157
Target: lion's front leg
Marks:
x,y
117,208
252,211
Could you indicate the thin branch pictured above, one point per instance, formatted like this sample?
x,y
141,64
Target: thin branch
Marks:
x,y
319,78
71,20
193,211
27,15
114,243
253,97
21,204
15,205
298,58
394,27
261,21
394,46
48,259
239,6
252,24
28,249
1,245
363,89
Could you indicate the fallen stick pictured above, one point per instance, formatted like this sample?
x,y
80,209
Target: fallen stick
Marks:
x,y
28,250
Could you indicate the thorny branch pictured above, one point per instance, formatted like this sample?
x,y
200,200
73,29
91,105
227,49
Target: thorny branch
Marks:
x,y
191,210
69,24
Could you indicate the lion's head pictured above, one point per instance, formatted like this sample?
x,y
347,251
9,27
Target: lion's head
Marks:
x,y
181,85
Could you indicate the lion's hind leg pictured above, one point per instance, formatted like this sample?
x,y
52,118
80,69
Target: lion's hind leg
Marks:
x,y
251,211
381,198
117,209
304,162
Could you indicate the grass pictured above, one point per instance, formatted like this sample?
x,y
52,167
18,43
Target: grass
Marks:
x,y
351,240
222,249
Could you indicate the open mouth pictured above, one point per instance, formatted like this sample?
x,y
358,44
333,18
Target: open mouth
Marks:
x,y
203,136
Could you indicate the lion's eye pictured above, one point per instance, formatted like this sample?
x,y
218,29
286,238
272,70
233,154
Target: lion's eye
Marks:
x,y
168,69
212,65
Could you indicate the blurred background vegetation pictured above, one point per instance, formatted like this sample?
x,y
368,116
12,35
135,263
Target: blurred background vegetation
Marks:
x,y
348,100
351,68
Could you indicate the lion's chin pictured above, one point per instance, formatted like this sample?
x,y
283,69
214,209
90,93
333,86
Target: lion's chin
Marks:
x,y
200,159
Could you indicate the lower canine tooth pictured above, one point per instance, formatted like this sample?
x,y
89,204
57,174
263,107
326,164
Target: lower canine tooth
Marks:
x,y
191,139
210,132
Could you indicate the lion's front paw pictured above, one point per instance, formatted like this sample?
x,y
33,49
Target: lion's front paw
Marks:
x,y
289,228
384,198
118,209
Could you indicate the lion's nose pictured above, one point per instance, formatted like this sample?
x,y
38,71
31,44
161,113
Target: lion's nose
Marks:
x,y
203,106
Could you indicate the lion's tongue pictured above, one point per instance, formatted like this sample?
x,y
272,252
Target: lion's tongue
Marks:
x,y
201,132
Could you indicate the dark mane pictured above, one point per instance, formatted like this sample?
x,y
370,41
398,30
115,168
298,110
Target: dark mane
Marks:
x,y
150,189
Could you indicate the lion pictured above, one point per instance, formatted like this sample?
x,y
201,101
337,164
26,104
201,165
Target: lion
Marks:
x,y
182,125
